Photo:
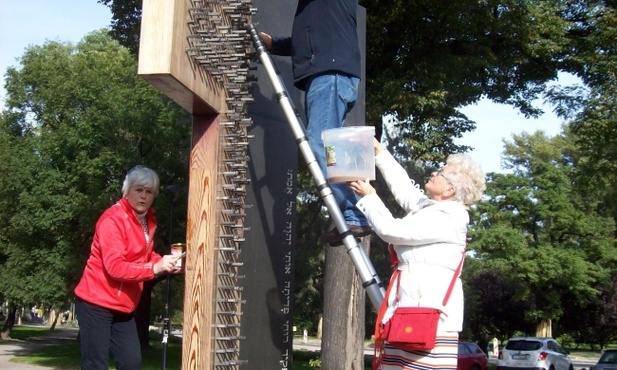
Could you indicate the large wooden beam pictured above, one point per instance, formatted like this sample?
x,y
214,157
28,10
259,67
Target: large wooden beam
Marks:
x,y
164,59
200,292
194,52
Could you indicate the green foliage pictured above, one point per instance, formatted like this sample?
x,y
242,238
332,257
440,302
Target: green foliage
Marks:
x,y
315,363
539,241
425,60
126,22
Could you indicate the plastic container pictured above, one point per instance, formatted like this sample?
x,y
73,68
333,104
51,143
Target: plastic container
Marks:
x,y
349,153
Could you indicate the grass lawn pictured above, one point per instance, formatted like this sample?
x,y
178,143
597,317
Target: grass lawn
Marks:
x,y
25,332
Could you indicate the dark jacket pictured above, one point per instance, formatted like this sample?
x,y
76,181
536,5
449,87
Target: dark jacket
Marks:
x,y
323,39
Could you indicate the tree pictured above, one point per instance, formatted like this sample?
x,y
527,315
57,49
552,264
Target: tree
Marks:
x,y
343,337
125,22
592,106
490,304
426,60
78,118
537,232
596,319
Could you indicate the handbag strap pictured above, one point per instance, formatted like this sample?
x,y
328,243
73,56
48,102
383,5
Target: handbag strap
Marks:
x,y
452,282
384,303
395,277
379,339
456,274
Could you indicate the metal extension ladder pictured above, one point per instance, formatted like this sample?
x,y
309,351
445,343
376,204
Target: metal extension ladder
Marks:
x,y
361,261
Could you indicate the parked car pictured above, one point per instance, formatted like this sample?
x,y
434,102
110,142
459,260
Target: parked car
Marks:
x,y
532,353
608,360
471,357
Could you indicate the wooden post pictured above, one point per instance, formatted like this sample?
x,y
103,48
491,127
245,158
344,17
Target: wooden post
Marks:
x,y
193,51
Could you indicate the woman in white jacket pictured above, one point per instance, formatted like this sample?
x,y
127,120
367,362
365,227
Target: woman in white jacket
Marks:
x,y
429,243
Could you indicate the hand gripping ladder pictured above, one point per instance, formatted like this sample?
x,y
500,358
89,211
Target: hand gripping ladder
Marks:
x,y
366,271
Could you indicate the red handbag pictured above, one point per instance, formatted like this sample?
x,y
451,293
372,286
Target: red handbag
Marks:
x,y
410,328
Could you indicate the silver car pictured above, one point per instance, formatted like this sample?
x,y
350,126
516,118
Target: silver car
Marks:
x,y
608,360
532,353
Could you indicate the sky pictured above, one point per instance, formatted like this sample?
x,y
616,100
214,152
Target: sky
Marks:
x,y
25,23
496,122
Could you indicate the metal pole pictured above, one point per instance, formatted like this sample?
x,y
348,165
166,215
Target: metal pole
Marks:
x,y
364,268
173,189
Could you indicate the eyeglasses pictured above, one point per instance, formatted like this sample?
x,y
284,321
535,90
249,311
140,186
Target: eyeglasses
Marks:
x,y
440,173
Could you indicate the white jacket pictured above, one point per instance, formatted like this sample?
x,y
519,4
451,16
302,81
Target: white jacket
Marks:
x,y
429,242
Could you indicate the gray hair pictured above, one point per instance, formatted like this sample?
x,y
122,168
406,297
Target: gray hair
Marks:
x,y
141,176
467,177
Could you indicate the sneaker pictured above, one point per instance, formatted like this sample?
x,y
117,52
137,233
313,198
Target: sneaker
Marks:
x,y
334,239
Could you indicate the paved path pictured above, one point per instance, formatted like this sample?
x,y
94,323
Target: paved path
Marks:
x,y
12,348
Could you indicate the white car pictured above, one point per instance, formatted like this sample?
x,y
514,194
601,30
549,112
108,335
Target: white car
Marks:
x,y
532,353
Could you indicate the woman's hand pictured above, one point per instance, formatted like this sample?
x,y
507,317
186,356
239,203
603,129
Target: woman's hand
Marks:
x,y
166,264
362,187
377,146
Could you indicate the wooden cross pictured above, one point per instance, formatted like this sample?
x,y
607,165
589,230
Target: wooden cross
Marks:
x,y
196,52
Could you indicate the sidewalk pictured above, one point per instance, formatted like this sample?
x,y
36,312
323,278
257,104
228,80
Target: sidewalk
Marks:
x,y
12,348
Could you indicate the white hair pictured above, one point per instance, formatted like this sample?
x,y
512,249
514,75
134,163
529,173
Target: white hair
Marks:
x,y
467,177
141,176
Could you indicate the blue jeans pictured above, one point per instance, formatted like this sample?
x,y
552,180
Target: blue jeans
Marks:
x,y
329,97
102,330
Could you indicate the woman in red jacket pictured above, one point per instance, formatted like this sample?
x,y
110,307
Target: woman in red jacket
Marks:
x,y
121,259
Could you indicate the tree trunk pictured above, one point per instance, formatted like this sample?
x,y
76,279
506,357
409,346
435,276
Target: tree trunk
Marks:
x,y
544,328
342,346
5,333
53,318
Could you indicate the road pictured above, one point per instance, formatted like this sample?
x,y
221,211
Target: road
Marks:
x,y
577,363
315,346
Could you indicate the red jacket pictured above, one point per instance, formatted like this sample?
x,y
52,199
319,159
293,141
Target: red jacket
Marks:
x,y
120,259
